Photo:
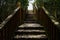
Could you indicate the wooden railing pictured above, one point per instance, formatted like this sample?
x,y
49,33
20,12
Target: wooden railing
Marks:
x,y
50,27
10,24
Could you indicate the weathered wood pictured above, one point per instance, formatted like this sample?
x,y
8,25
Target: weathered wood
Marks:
x,y
45,20
9,26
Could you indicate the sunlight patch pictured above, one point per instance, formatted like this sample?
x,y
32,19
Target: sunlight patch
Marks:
x,y
30,7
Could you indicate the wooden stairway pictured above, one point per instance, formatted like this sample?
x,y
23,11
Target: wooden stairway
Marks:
x,y
30,31
9,29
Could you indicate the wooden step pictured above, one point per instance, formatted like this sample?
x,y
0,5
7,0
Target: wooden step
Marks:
x,y
30,39
30,36
22,32
30,25
30,30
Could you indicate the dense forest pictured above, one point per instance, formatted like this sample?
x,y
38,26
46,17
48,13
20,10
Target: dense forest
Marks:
x,y
8,6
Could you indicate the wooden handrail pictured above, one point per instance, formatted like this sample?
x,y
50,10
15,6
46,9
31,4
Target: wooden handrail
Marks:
x,y
8,18
51,28
10,24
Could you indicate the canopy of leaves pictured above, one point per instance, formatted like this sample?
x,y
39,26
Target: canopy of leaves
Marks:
x,y
52,5
24,3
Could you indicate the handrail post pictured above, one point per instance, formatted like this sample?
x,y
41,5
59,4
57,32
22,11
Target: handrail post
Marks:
x,y
51,29
10,25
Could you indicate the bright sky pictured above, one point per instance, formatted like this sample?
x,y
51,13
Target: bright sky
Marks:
x,y
30,7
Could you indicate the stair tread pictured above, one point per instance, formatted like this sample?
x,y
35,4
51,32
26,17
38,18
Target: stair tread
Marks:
x,y
31,36
22,32
30,25
30,39
30,30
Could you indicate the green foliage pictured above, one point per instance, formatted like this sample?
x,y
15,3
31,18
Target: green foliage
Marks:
x,y
53,5
38,3
6,8
24,3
